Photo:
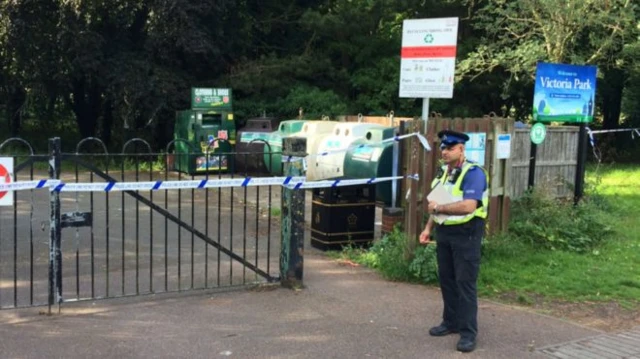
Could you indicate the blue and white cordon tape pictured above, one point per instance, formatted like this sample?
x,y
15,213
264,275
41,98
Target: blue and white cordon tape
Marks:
x,y
26,185
592,140
634,132
297,182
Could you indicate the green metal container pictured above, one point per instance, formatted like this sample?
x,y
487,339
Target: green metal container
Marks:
x,y
374,159
209,128
206,132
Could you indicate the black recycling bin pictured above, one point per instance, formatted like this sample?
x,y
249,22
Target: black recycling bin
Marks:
x,y
342,216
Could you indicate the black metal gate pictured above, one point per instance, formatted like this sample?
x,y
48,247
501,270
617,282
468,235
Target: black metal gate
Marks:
x,y
58,246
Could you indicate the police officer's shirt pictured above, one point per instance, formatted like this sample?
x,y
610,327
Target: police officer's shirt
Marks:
x,y
474,184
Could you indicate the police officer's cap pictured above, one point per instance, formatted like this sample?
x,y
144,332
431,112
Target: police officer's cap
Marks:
x,y
450,138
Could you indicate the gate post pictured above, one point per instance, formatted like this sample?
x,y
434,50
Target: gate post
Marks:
x,y
55,230
292,215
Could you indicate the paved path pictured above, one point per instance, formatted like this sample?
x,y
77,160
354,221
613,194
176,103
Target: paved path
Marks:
x,y
611,346
344,312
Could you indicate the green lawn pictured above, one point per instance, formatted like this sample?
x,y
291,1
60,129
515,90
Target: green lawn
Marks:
x,y
609,272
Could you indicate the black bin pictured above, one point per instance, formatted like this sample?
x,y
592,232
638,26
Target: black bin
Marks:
x,y
343,216
250,155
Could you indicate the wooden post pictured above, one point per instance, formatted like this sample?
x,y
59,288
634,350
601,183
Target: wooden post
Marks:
x,y
394,215
412,212
581,167
499,178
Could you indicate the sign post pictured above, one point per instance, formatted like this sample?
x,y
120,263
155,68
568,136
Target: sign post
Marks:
x,y
427,65
566,93
428,60
6,173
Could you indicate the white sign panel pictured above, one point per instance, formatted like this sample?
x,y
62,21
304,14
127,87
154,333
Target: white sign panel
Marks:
x,y
476,147
503,149
428,58
6,176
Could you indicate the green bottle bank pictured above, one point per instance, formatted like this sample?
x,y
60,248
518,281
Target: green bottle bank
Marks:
x,y
205,135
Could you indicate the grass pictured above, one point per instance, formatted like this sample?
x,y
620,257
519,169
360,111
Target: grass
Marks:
x,y
275,211
610,271
517,270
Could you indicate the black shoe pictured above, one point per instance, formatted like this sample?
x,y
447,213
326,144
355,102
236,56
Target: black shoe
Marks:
x,y
466,345
441,330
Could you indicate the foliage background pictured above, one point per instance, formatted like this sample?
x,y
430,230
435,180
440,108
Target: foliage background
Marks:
x,y
121,68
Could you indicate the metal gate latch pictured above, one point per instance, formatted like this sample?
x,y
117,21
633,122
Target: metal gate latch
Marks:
x,y
76,219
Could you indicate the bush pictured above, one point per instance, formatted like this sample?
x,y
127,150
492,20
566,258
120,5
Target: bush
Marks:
x,y
390,256
424,266
543,221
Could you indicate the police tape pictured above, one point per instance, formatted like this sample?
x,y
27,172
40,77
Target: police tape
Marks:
x,y
592,140
421,138
634,132
292,182
26,185
346,182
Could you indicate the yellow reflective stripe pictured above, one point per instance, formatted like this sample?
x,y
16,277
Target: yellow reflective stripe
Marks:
x,y
456,192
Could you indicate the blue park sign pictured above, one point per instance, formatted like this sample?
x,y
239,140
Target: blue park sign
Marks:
x,y
564,93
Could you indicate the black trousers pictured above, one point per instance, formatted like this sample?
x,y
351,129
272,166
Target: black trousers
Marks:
x,y
458,254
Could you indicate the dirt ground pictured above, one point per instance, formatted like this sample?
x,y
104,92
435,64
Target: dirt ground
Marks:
x,y
607,316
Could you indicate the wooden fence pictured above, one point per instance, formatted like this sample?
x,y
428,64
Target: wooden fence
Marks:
x,y
556,161
389,120
416,160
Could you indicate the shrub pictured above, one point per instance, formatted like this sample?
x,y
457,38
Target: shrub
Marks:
x,y
546,222
390,253
391,257
424,266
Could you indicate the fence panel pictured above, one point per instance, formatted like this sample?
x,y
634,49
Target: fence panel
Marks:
x,y
556,161
390,121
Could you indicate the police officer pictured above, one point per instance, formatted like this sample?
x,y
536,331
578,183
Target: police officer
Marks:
x,y
458,238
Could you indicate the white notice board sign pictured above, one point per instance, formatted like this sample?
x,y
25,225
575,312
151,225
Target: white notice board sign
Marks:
x,y
476,147
503,149
428,58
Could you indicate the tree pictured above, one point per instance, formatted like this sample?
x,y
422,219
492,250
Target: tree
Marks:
x,y
518,34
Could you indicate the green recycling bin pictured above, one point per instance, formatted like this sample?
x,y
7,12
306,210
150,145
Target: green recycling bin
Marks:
x,y
209,130
372,159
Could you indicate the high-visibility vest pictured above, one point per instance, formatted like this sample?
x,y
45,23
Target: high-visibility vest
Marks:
x,y
455,189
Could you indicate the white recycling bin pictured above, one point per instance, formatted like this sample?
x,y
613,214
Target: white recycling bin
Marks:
x,y
308,129
332,165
